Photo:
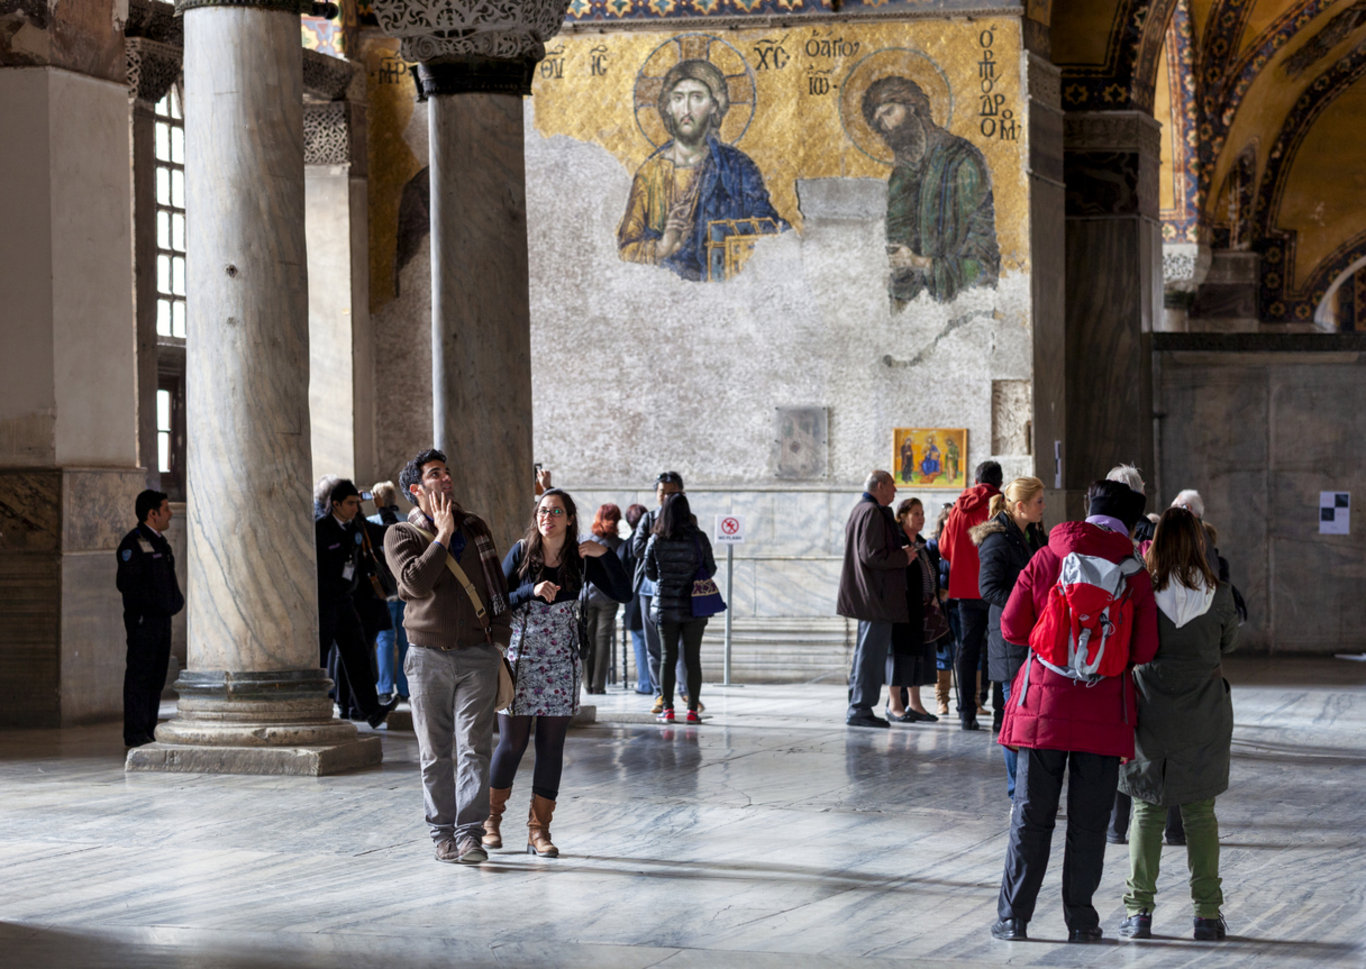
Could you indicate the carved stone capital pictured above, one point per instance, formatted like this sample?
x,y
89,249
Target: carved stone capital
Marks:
x,y
152,68
1184,266
288,6
332,134
326,78
511,30
154,20
1127,131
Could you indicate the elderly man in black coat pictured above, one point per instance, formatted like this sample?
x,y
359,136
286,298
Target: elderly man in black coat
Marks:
x,y
873,591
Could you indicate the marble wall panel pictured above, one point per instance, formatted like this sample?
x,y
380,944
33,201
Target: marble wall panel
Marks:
x,y
30,614
30,511
98,508
93,646
1260,442
796,587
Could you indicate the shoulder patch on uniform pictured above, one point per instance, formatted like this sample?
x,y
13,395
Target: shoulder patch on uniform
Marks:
x,y
359,538
126,554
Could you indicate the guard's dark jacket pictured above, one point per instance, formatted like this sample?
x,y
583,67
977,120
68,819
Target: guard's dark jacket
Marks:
x,y
336,546
146,575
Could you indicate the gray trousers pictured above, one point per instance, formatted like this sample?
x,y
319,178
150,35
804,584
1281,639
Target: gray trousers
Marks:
x,y
870,666
452,694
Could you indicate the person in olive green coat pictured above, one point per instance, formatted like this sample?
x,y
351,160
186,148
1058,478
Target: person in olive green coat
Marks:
x,y
1185,726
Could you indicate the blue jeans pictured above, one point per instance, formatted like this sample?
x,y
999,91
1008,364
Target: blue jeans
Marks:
x,y
870,666
643,683
391,646
1011,757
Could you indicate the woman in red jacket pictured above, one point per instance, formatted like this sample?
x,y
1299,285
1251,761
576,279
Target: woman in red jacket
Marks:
x,y
1066,726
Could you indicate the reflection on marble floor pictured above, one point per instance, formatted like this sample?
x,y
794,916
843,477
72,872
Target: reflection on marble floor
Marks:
x,y
769,836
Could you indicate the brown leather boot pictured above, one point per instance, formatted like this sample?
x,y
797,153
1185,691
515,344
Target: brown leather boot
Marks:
x,y
538,828
498,799
942,684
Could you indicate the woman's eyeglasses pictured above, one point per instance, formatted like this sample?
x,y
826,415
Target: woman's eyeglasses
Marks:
x,y
552,512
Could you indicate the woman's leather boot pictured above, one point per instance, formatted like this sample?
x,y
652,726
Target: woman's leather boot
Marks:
x,y
538,828
498,799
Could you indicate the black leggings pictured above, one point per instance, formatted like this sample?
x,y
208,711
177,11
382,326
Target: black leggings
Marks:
x,y
684,637
513,734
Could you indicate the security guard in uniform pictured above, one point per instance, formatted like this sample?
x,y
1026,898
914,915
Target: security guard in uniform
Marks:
x,y
339,547
151,596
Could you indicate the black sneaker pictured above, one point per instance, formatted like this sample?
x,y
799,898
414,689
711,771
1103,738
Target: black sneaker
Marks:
x,y
1211,930
1137,926
1009,930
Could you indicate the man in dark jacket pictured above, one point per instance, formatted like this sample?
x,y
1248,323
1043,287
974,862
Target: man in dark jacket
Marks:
x,y
955,544
339,544
151,596
873,591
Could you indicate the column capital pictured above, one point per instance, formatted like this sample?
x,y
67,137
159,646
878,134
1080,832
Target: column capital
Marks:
x,y
287,6
331,135
152,68
327,78
479,33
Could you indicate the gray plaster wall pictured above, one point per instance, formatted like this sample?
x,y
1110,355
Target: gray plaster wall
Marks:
x,y
1260,435
636,371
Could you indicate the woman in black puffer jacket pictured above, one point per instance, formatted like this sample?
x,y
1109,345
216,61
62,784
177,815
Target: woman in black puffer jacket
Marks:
x,y
1006,542
677,553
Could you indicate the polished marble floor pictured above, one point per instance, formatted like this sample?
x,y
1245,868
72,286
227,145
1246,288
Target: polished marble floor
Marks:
x,y
770,836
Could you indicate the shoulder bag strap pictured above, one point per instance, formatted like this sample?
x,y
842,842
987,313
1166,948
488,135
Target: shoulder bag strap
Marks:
x,y
464,581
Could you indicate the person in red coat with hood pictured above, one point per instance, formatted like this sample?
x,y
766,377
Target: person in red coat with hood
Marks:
x,y
955,544
1061,725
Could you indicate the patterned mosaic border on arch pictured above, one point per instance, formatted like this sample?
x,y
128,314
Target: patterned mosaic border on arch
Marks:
x,y
1275,301
624,11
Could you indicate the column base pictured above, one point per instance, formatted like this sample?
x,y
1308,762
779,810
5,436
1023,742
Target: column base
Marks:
x,y
311,761
249,722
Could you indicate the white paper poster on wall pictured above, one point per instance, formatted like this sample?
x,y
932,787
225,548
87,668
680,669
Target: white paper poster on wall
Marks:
x,y
1335,512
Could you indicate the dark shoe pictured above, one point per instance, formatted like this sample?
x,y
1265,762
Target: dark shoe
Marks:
x,y
907,717
1116,839
1176,839
1211,930
1009,930
866,720
925,717
970,725
1093,934
384,709
386,698
1139,926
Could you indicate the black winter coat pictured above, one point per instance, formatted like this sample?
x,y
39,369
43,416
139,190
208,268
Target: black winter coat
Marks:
x,y
633,617
1004,552
673,564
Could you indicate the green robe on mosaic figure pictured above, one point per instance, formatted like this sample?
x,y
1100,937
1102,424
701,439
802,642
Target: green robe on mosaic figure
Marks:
x,y
942,207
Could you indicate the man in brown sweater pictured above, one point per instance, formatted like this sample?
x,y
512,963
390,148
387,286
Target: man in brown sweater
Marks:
x,y
452,665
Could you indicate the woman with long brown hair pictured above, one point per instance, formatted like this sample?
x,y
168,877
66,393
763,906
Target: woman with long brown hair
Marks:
x,y
600,609
1185,726
545,572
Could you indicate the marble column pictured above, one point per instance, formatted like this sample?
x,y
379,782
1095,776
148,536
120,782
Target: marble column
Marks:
x,y
253,699
68,428
475,65
1114,292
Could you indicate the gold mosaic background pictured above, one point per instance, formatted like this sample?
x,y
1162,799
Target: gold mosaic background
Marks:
x,y
795,99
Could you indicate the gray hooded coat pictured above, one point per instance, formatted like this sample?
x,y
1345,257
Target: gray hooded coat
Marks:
x,y
1185,712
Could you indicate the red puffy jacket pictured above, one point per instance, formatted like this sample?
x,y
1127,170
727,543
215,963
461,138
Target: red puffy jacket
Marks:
x,y
957,546
1057,713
